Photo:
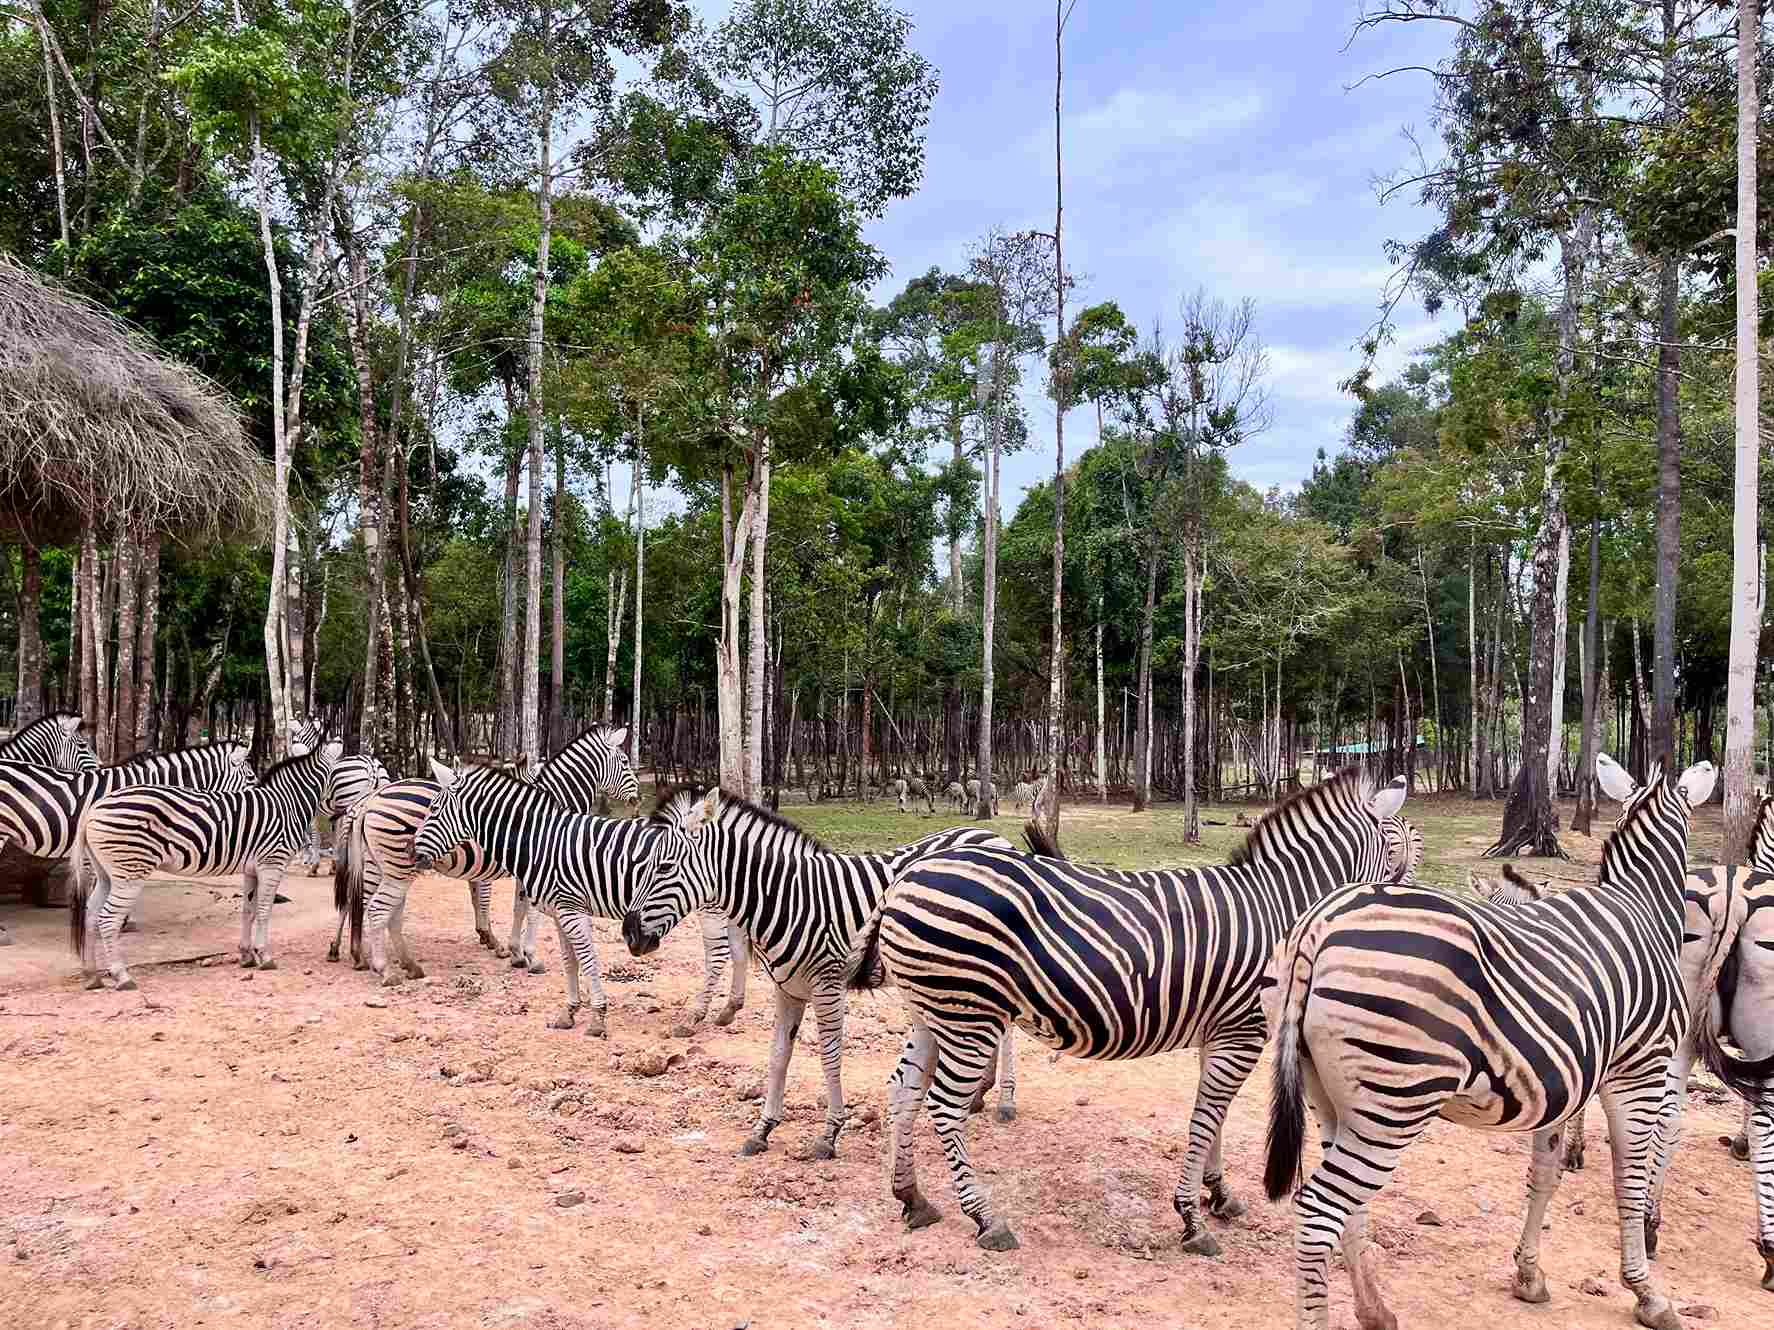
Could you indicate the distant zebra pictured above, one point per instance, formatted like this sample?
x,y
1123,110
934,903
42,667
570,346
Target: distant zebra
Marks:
x,y
911,787
1105,965
51,741
127,835
956,795
1511,889
973,798
1022,798
574,867
800,903
1394,1006
41,807
353,780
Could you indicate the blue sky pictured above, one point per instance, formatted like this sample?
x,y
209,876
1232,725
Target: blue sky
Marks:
x,y
1211,145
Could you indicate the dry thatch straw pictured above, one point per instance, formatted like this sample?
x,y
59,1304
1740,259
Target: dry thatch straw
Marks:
x,y
95,420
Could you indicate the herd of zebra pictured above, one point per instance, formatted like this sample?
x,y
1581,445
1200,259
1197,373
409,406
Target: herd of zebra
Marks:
x,y
1389,1004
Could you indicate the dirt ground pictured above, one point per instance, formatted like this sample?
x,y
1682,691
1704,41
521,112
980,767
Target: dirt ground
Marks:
x,y
301,1148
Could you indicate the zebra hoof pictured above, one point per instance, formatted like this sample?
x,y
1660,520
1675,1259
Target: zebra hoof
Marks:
x,y
93,983
519,960
725,1015
1228,1207
359,963
332,954
998,1238
1574,1159
918,1212
1007,1112
126,985
1530,1286
1658,1314
246,958
754,1145
391,978
1767,1254
1201,1243
500,950
415,970
562,1022
820,1149
1740,1148
537,967
130,926
595,1027
267,964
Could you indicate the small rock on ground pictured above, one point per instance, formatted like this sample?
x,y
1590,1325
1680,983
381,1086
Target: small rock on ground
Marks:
x,y
1429,1219
1700,1311
626,1145
568,1199
1594,1287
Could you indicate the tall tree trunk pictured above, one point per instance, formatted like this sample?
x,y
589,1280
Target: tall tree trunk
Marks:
x,y
1561,635
296,674
29,706
123,716
991,358
444,729
557,623
1191,658
55,131
1102,768
758,626
1530,823
1669,442
729,686
1476,731
1048,813
1434,671
1740,721
1142,726
530,707
506,727
957,593
371,445
640,582
1582,819
280,502
1639,762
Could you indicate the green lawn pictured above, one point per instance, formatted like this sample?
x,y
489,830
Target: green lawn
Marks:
x,y
1456,831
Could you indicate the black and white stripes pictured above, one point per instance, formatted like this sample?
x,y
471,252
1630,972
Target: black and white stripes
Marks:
x,y
51,741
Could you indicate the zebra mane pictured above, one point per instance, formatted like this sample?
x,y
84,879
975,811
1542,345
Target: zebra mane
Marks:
x,y
144,759
1629,820
1256,846
287,762
735,808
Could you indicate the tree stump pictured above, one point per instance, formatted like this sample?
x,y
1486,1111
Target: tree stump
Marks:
x,y
1530,823
43,882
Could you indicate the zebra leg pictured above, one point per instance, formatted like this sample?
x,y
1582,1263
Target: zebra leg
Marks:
x,y
789,1011
905,1097
570,969
377,917
961,1061
739,948
524,955
1632,1108
271,877
1543,1176
716,955
1760,1129
828,1013
119,901
93,961
483,905
400,954
1740,1142
1226,1063
577,941
1006,1078
1338,1191
1221,1203
1669,1136
1575,1142
249,892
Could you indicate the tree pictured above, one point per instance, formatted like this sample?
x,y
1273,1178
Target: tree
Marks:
x,y
1740,732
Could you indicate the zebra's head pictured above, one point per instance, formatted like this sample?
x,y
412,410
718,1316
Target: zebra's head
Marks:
x,y
1403,843
1650,841
683,872
592,768
237,769
1761,847
304,736
52,741
470,801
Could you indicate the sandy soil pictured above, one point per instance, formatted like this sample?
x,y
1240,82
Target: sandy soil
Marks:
x,y
302,1148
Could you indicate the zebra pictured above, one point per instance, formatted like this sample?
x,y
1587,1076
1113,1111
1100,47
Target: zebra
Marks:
x,y
574,867
955,795
129,834
41,807
353,780
914,788
51,741
1394,1005
1022,798
972,788
801,903
1511,889
1105,965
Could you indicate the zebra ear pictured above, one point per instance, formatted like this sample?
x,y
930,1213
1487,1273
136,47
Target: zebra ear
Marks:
x,y
1387,801
707,809
443,773
617,738
1696,783
70,724
1615,780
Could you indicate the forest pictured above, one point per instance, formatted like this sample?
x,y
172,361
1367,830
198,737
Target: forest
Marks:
x,y
586,397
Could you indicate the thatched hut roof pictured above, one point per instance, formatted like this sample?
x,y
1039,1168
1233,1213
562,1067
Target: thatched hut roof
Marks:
x,y
95,419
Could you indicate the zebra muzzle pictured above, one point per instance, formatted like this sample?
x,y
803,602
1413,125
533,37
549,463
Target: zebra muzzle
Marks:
x,y
422,862
640,942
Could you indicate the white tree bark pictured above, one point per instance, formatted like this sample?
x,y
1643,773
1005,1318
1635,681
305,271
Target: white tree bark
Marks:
x,y
530,706
729,685
758,628
1102,770
990,367
640,575
276,684
1561,636
1740,803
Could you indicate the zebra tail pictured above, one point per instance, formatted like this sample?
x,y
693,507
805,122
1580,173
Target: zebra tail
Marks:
x,y
1040,843
350,864
77,892
1749,1078
1287,1100
865,970
342,862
